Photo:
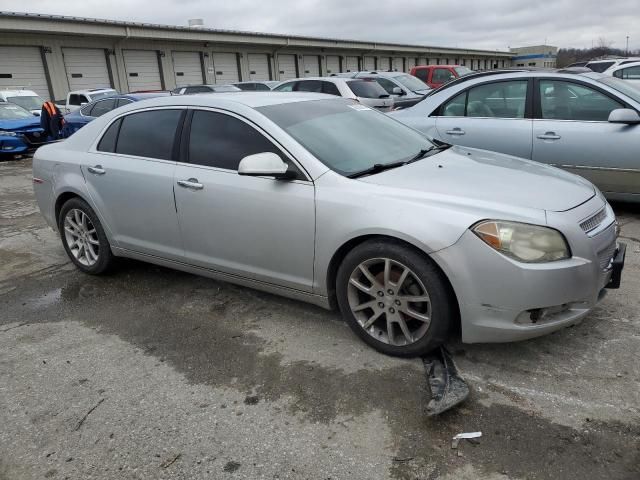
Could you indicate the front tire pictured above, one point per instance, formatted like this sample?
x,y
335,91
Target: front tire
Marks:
x,y
83,237
395,298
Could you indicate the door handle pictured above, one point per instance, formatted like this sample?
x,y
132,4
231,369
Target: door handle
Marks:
x,y
456,131
97,170
191,184
549,136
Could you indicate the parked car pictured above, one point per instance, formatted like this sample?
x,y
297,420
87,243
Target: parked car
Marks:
x,y
20,130
367,92
265,85
628,71
406,90
78,98
586,123
576,64
601,66
437,75
328,201
193,89
27,99
74,121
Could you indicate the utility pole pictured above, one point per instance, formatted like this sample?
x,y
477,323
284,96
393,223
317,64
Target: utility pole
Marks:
x,y
627,45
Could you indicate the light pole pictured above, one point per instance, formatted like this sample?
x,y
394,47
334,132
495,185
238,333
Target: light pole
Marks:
x,y
627,45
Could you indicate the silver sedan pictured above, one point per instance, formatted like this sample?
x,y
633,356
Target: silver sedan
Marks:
x,y
328,201
585,123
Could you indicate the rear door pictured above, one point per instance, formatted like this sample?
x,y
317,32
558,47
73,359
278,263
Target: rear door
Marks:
x,y
254,227
129,177
571,130
492,116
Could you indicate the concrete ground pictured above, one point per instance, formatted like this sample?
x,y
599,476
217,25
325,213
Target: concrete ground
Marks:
x,y
152,373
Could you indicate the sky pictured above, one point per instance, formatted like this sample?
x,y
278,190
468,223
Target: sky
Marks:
x,y
485,24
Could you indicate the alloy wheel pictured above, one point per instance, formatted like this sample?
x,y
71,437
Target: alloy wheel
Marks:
x,y
389,301
81,237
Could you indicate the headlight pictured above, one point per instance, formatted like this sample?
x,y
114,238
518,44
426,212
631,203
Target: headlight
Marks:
x,y
523,242
7,134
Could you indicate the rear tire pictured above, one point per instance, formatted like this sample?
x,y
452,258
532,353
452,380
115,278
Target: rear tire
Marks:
x,y
395,298
83,237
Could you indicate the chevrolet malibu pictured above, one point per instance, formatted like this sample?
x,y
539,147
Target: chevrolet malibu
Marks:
x,y
325,200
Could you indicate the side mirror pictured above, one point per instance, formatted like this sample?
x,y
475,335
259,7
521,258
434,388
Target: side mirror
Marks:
x,y
624,115
265,164
397,91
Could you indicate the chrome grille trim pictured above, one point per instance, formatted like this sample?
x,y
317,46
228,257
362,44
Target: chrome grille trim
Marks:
x,y
606,256
594,221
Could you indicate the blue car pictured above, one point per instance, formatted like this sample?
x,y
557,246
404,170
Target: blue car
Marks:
x,y
20,130
77,119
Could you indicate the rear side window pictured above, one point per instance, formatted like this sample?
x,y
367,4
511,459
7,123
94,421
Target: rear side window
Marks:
x,y
568,101
102,107
221,141
599,66
124,101
388,85
630,73
286,87
422,74
309,86
198,89
108,140
330,89
367,89
442,75
261,87
149,134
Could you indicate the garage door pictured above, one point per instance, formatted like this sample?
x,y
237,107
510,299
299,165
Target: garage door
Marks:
x,y
422,61
259,66
225,67
411,62
142,69
22,67
333,64
187,68
353,64
311,66
287,66
369,63
385,62
86,68
398,64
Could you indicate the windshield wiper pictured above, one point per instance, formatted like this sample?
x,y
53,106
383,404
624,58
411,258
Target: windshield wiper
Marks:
x,y
376,168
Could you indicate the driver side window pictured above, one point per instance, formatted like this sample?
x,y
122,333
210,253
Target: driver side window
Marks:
x,y
492,100
561,100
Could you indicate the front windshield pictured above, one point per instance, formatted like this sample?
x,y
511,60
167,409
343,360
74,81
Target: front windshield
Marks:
x,y
599,66
13,112
630,89
346,136
412,83
462,71
96,96
27,102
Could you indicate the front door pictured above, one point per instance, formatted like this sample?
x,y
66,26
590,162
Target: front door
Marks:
x,y
130,181
491,116
254,227
571,130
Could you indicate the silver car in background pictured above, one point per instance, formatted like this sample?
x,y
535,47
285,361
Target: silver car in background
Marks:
x,y
328,201
406,90
367,92
586,123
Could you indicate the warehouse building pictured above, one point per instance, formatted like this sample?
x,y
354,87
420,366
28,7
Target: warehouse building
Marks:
x,y
55,54
538,56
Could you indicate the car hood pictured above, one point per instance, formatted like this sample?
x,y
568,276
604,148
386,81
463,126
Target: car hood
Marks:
x,y
22,124
480,177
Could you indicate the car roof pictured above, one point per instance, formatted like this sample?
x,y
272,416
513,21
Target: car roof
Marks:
x,y
20,92
141,96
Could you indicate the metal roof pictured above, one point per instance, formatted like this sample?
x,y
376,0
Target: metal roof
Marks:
x,y
203,30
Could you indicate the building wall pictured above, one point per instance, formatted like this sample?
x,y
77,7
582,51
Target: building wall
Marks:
x,y
538,56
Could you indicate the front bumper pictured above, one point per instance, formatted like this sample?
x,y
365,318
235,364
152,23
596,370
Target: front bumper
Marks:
x,y
12,145
502,300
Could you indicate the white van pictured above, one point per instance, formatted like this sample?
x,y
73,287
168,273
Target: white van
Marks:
x,y
27,99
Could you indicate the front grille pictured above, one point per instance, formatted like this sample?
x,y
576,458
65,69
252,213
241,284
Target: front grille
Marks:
x,y
594,221
605,256
34,138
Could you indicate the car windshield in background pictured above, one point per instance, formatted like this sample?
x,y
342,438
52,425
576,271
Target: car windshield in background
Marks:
x,y
462,71
13,112
346,136
27,102
226,88
630,89
96,96
367,89
599,66
412,83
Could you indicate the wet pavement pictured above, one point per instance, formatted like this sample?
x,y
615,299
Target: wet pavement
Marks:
x,y
153,373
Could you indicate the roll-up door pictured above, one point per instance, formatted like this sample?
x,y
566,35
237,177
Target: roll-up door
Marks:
x,y
86,68
398,64
385,64
258,66
411,62
311,66
333,64
23,67
286,66
225,67
187,68
422,61
142,69
369,63
353,64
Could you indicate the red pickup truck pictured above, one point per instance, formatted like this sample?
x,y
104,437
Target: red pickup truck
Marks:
x,y
437,75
